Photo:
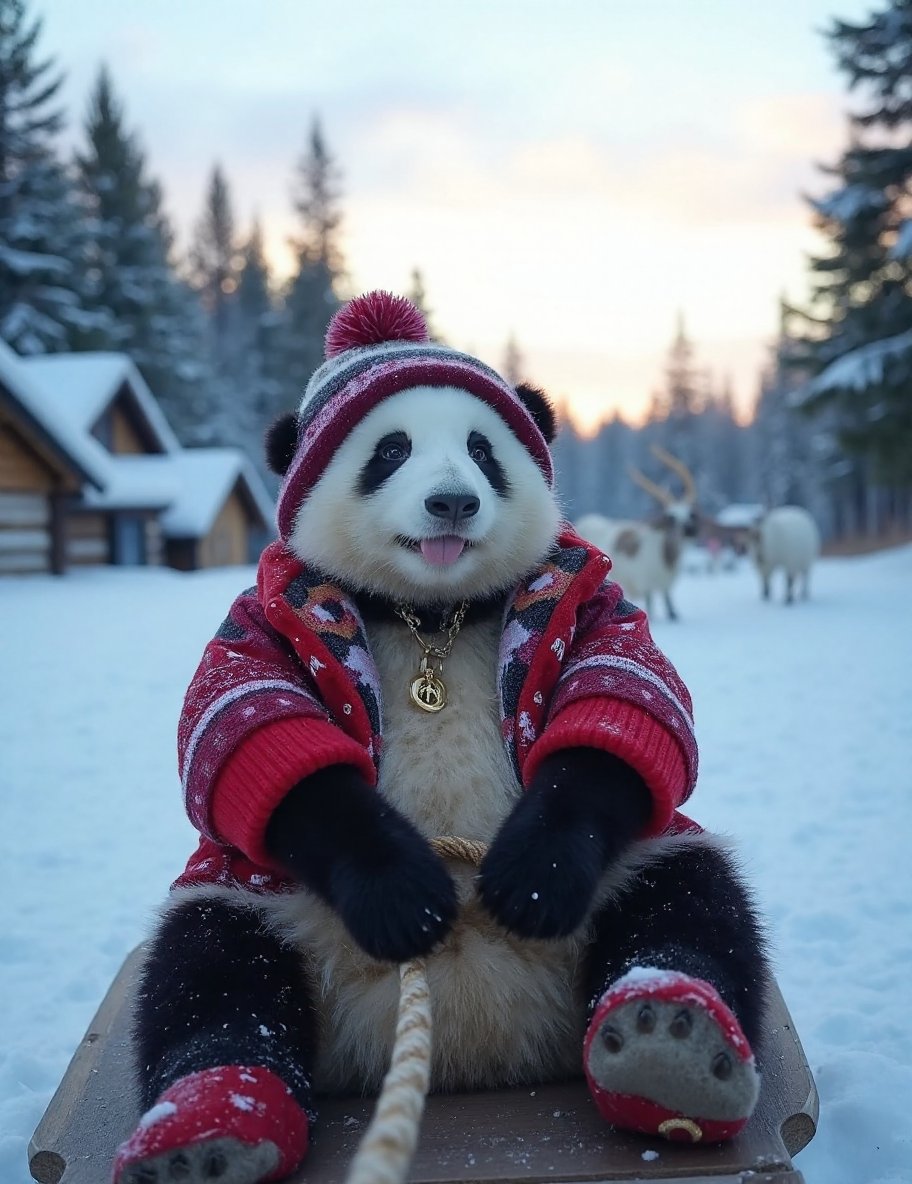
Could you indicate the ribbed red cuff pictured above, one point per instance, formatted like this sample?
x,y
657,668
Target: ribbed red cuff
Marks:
x,y
628,732
261,771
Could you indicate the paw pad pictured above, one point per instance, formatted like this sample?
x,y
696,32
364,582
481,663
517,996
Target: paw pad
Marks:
x,y
669,1059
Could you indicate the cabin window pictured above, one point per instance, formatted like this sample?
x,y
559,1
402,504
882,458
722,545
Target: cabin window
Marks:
x,y
103,431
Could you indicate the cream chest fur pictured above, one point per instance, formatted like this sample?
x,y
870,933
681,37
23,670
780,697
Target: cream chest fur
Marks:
x,y
504,1009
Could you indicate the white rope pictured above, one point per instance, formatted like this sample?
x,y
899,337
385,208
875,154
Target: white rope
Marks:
x,y
386,1150
389,1144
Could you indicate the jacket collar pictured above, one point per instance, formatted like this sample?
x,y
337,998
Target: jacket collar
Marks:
x,y
325,626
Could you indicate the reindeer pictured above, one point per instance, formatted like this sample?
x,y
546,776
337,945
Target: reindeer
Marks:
x,y
646,556
786,537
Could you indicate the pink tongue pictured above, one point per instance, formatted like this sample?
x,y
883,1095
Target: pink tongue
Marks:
x,y
442,551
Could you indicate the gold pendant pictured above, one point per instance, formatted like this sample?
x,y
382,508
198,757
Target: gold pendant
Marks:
x,y
428,692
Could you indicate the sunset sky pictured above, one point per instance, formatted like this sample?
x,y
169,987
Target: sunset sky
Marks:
x,y
572,172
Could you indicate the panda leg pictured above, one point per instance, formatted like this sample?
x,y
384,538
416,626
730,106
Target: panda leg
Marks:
x,y
677,979
225,1036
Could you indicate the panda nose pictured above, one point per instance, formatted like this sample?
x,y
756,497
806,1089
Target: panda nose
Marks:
x,y
455,506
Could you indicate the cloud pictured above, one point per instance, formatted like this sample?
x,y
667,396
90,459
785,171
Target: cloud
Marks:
x,y
588,251
582,234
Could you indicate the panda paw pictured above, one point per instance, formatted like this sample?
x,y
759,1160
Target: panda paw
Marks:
x,y
542,871
399,907
337,836
538,884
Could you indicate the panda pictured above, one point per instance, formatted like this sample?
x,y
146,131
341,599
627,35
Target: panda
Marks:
x,y
431,650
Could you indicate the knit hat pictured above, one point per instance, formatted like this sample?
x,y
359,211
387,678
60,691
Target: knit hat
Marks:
x,y
376,346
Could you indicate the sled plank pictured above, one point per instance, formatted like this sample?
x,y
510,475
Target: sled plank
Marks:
x,y
514,1136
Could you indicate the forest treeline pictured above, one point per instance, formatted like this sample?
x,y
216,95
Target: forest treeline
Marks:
x,y
89,261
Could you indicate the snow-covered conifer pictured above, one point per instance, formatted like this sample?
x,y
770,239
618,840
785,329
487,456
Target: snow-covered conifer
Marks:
x,y
43,280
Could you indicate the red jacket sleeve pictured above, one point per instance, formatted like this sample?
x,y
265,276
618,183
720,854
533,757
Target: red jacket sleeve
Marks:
x,y
618,692
251,728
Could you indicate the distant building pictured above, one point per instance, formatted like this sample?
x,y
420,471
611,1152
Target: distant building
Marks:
x,y
39,476
91,473
740,515
733,524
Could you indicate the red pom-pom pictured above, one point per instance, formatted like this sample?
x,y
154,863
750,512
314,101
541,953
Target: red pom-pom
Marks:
x,y
373,318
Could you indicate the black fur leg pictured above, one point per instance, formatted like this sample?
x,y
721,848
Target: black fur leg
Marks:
x,y
583,808
689,912
340,838
219,989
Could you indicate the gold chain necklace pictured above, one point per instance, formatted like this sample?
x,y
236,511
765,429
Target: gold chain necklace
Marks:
x,y
427,690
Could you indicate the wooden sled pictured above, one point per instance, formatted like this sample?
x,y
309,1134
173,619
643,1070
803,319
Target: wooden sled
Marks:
x,y
546,1133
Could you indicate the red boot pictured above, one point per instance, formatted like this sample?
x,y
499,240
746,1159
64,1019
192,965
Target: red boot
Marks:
x,y
232,1123
665,1056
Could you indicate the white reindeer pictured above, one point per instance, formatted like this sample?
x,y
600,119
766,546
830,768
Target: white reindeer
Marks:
x,y
646,556
785,537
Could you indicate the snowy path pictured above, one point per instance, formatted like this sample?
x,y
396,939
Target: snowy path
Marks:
x,y
804,721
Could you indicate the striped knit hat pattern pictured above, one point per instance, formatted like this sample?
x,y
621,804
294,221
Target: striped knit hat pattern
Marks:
x,y
377,345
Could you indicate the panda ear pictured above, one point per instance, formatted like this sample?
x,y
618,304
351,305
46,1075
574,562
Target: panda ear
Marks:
x,y
281,442
539,407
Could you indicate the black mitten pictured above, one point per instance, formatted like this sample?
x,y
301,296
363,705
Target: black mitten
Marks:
x,y
581,811
341,839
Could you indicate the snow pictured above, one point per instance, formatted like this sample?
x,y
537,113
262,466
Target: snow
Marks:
x,y
81,449
157,1114
80,386
847,203
134,482
69,422
740,514
205,477
66,394
856,370
806,737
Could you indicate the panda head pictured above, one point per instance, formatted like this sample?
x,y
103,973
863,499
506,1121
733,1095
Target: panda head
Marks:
x,y
430,496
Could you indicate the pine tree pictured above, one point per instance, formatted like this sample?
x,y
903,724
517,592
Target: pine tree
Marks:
x,y
42,236
142,307
719,440
680,401
418,295
856,340
568,450
311,297
513,363
256,326
215,262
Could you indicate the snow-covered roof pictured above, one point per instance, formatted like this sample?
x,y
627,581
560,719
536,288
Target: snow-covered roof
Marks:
x,y
740,514
72,443
64,421
205,477
80,386
66,393
134,482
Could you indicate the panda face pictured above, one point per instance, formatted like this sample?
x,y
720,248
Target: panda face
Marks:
x,y
430,499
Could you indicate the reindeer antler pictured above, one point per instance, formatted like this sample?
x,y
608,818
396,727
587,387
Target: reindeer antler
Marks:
x,y
660,494
677,466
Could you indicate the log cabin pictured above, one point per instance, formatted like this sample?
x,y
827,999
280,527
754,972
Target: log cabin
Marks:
x,y
135,495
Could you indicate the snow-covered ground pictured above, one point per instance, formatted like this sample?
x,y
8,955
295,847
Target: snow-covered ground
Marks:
x,y
805,720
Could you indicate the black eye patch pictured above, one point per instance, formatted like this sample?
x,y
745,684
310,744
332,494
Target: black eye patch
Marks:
x,y
481,451
390,454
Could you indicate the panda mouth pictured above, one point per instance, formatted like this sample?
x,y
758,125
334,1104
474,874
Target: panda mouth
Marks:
x,y
440,551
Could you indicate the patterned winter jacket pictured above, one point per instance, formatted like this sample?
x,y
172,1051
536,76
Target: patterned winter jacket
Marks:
x,y
288,686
